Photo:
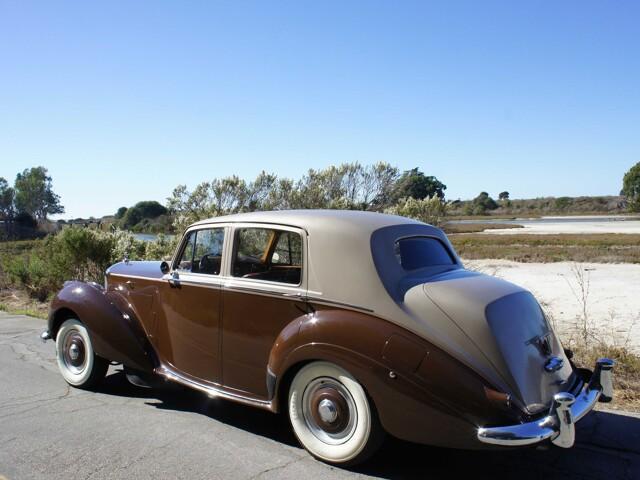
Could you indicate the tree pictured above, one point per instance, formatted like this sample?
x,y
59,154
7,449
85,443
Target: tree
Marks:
x,y
7,210
141,211
34,194
631,187
482,203
414,183
503,196
120,213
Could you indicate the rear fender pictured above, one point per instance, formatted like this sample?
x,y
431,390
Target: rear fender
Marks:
x,y
420,392
116,333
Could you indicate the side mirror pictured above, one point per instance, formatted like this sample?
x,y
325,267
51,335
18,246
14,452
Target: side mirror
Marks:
x,y
164,267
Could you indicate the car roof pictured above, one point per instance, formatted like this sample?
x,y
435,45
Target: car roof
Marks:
x,y
316,219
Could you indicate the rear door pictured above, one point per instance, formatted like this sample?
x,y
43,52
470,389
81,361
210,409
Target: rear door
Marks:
x,y
263,293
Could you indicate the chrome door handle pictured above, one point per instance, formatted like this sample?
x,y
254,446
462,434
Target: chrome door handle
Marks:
x,y
174,280
292,295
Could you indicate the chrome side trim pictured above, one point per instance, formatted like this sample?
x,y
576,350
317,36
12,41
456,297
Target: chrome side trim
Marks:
x,y
139,277
223,282
558,425
213,391
325,301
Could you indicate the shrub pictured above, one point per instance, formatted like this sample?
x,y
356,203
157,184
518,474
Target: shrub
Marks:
x,y
162,248
73,254
429,210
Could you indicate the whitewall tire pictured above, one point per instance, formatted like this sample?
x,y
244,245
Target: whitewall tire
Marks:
x,y
332,416
77,361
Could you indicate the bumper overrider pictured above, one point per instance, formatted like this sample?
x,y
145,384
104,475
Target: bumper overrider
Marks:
x,y
558,425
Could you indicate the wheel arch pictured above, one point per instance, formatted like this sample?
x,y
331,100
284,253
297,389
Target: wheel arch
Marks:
x,y
58,317
115,332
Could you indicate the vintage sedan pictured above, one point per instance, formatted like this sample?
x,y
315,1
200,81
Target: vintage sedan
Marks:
x,y
354,323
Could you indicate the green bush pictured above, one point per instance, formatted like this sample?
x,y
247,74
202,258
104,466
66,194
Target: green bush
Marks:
x,y
429,210
73,254
162,248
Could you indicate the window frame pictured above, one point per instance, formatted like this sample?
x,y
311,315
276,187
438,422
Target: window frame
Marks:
x,y
183,246
234,238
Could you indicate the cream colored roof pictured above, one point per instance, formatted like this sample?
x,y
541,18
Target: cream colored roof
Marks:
x,y
312,220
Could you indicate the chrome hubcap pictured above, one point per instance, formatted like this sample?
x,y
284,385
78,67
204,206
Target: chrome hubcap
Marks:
x,y
74,352
327,410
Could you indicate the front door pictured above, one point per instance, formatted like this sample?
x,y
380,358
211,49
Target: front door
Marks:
x,y
188,332
261,297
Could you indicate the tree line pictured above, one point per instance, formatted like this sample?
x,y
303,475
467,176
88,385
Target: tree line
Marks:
x,y
378,187
31,199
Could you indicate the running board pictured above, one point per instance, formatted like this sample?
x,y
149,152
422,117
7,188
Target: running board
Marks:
x,y
214,392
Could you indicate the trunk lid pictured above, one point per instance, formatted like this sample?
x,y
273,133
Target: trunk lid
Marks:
x,y
508,326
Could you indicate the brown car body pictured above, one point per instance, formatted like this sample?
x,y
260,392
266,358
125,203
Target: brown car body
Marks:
x,y
442,352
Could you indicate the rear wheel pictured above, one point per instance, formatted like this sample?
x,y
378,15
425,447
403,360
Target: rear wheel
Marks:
x,y
332,416
77,361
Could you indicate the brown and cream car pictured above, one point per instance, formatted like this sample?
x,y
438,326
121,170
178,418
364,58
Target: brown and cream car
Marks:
x,y
353,323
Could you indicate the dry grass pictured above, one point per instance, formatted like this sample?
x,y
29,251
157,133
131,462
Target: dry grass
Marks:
x,y
590,341
626,374
17,302
598,248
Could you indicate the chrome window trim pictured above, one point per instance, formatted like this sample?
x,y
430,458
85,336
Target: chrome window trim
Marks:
x,y
268,226
183,242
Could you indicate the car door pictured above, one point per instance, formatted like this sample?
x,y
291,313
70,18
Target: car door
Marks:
x,y
190,298
262,294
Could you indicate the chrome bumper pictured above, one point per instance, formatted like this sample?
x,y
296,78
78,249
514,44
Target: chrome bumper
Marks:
x,y
558,425
44,336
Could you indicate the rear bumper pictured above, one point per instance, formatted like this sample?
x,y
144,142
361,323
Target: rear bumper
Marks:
x,y
558,425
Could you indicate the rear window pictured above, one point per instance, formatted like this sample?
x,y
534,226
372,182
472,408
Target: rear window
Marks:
x,y
414,253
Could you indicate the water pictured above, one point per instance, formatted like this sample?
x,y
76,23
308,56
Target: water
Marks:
x,y
150,237
551,219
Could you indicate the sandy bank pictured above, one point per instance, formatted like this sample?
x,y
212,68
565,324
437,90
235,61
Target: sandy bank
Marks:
x,y
557,225
613,299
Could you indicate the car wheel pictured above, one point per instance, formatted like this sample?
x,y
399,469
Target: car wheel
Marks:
x,y
332,416
77,361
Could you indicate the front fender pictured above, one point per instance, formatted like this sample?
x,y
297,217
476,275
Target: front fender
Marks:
x,y
116,333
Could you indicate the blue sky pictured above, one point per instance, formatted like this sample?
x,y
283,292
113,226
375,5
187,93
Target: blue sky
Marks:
x,y
122,101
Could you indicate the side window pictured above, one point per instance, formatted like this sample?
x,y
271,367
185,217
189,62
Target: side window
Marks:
x,y
186,257
268,254
203,252
208,251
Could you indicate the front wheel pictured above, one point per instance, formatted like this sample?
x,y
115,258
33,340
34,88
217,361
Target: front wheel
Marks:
x,y
332,416
77,361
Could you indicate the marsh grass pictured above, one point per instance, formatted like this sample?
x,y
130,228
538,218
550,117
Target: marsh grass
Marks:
x,y
596,248
452,228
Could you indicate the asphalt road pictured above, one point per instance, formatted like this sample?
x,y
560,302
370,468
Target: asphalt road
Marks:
x,y
49,430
